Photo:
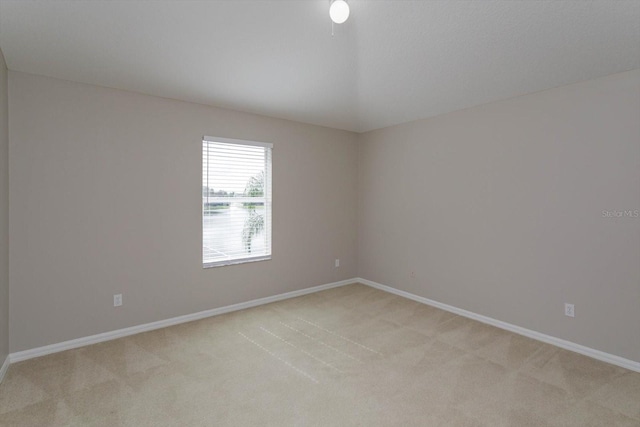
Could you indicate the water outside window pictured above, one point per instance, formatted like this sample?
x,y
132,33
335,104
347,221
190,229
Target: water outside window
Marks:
x,y
225,232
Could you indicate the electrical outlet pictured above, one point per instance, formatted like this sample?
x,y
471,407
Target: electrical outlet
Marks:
x,y
569,310
117,300
337,263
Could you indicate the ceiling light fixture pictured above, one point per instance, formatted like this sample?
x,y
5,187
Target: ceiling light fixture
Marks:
x,y
339,11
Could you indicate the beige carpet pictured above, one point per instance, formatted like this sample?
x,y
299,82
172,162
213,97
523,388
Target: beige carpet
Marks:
x,y
350,356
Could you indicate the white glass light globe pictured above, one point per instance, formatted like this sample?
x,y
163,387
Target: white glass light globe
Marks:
x,y
339,11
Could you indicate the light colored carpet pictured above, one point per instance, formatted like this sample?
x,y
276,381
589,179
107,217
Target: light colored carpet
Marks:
x,y
350,356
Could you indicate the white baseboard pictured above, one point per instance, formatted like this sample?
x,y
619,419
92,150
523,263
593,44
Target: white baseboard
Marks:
x,y
3,369
112,335
107,336
558,342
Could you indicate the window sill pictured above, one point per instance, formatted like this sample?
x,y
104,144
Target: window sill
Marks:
x,y
236,261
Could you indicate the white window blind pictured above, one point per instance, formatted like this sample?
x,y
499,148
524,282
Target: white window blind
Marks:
x,y
236,201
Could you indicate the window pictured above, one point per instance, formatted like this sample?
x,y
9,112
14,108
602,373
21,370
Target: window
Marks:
x,y
236,201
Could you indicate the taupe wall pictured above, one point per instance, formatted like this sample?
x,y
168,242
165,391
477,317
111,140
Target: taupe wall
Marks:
x,y
498,209
4,213
105,198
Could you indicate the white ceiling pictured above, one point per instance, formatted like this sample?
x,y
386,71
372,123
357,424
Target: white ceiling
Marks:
x,y
391,62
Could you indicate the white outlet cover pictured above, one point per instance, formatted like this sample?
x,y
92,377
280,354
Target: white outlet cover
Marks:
x,y
337,263
569,310
117,300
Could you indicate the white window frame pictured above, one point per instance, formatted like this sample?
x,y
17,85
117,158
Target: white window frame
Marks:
x,y
267,203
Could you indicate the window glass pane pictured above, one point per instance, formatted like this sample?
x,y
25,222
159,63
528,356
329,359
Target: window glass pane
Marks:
x,y
236,202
